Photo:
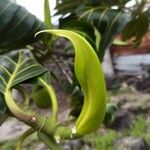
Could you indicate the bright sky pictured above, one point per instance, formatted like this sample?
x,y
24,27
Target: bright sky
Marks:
x,y
36,7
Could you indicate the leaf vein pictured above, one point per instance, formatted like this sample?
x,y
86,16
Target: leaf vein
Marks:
x,y
26,68
6,70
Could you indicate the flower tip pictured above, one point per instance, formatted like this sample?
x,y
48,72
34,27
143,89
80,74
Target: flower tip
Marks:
x,y
57,139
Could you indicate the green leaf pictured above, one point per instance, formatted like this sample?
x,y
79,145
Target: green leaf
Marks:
x,y
47,14
3,109
71,22
17,67
17,25
98,38
136,28
108,22
46,77
90,76
115,2
103,19
109,114
66,6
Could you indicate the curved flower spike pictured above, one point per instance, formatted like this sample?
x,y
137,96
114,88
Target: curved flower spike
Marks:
x,y
90,76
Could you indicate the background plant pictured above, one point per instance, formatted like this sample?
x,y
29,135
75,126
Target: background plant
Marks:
x,y
102,20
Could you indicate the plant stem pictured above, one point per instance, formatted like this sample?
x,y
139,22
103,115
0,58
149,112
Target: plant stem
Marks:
x,y
62,132
47,125
54,100
49,141
14,109
29,117
23,137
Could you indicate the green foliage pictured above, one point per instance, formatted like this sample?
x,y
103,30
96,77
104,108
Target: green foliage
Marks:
x,y
100,23
30,144
108,22
109,114
106,141
138,127
119,3
94,93
3,109
17,27
66,6
9,145
97,15
17,67
47,14
20,67
136,28
44,81
72,22
103,141
41,97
